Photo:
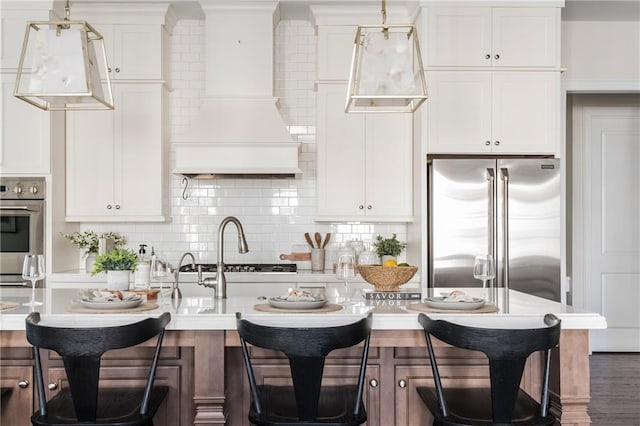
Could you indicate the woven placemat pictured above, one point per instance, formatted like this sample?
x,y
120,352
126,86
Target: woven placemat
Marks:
x,y
422,307
265,307
78,309
6,306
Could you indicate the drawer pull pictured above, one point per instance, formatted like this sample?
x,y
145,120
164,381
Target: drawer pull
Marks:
x,y
402,383
373,383
52,386
23,384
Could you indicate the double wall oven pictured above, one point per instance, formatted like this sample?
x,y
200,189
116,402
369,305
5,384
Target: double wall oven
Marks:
x,y
22,202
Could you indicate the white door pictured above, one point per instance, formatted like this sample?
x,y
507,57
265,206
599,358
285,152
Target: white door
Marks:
x,y
611,154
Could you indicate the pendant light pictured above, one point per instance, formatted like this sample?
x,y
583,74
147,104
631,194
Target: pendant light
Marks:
x,y
59,68
386,69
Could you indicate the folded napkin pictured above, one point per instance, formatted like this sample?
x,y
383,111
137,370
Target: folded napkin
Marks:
x,y
296,295
458,296
108,295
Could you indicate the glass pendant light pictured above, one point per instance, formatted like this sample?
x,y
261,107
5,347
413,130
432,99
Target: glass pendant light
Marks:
x,y
386,69
58,68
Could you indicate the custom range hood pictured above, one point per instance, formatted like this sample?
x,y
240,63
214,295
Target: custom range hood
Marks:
x,y
238,131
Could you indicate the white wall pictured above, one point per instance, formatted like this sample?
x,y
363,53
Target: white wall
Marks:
x,y
601,45
275,213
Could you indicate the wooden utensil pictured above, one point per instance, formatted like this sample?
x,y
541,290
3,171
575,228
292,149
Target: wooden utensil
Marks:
x,y
318,239
296,257
308,238
326,239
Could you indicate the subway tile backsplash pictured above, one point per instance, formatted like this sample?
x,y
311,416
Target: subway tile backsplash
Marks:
x,y
275,213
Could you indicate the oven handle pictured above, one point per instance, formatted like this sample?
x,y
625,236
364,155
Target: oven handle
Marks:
x,y
23,208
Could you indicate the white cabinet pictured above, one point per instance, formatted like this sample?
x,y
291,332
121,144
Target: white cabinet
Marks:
x,y
492,37
134,52
335,50
24,134
505,112
14,16
115,159
364,162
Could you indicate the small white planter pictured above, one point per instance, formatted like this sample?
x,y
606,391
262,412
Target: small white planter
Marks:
x,y
89,261
118,280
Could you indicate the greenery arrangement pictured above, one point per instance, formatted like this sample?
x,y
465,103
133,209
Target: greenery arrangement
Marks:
x,y
389,246
116,260
89,240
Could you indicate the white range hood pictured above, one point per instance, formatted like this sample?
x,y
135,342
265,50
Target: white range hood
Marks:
x,y
238,131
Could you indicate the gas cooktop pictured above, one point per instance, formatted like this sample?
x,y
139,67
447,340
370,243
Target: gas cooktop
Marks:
x,y
243,267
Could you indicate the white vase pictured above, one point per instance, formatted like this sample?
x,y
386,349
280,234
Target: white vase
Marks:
x,y
89,261
118,280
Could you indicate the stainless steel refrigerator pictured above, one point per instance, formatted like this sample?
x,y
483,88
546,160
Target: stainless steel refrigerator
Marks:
x,y
507,207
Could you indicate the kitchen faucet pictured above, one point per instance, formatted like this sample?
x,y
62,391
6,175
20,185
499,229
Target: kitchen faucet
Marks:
x,y
219,283
176,293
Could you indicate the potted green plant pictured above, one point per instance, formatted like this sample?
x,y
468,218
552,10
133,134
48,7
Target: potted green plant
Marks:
x,y
89,241
389,248
118,264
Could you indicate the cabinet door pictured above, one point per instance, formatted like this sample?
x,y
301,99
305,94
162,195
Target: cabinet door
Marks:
x,y
24,134
335,51
459,112
528,37
139,152
389,171
17,405
134,52
341,156
90,158
525,112
458,36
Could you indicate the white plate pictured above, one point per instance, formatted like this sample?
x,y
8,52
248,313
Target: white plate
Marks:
x,y
439,303
280,303
116,304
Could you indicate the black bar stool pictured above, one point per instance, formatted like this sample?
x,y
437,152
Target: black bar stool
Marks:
x,y
81,349
306,402
503,402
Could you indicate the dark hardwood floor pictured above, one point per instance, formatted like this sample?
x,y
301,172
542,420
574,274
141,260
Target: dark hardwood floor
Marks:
x,y
615,389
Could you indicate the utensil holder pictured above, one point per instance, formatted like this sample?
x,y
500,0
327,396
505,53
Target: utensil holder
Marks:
x,y
317,259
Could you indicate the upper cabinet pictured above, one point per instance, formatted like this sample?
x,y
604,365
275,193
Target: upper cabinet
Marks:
x,y
24,133
116,159
335,49
492,37
493,75
480,112
364,162
134,52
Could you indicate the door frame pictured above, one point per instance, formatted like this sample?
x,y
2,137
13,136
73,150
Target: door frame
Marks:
x,y
579,108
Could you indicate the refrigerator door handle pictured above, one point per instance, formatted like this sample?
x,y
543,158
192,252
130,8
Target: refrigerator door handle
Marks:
x,y
504,175
492,229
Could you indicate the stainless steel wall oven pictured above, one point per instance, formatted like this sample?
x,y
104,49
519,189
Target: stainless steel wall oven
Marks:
x,y
22,203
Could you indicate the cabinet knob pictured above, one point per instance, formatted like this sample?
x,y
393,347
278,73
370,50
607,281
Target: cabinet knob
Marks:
x,y
369,207
496,143
109,69
52,386
118,69
361,207
108,206
23,384
373,383
487,143
497,57
117,206
402,383
487,56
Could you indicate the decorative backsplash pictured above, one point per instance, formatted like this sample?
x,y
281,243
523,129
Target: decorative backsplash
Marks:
x,y
275,213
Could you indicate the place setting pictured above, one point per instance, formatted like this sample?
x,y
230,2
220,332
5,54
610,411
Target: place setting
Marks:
x,y
110,301
299,301
459,301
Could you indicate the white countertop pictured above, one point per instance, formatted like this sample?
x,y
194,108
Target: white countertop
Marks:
x,y
203,312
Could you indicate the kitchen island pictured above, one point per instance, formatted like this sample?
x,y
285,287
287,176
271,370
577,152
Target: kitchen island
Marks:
x,y
202,363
